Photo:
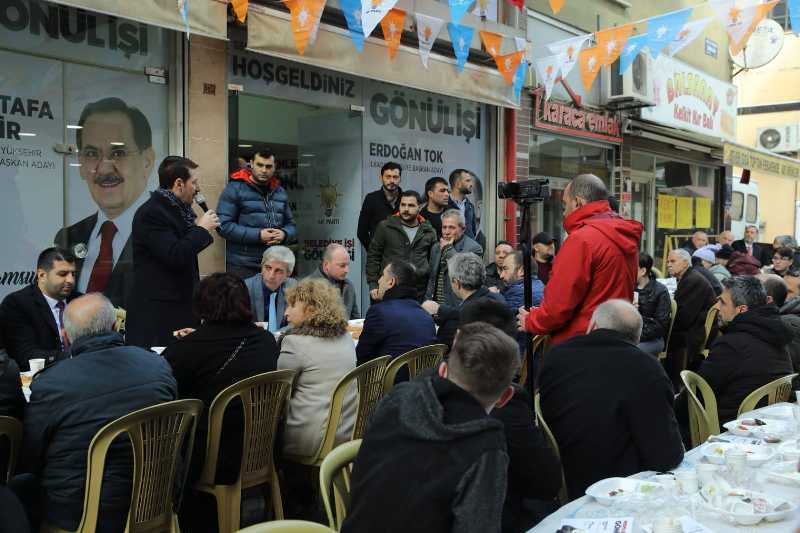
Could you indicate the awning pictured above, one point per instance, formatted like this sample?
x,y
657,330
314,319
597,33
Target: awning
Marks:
x,y
270,32
758,160
206,17
674,136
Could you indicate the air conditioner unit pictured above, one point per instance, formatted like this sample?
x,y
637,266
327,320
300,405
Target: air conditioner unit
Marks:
x,y
634,88
785,138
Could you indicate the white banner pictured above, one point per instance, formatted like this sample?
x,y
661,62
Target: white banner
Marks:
x,y
428,29
692,100
568,49
688,33
372,13
547,72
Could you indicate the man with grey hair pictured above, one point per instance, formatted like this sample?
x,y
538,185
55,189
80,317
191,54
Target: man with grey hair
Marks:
x,y
752,351
334,268
102,381
466,276
453,241
599,261
698,240
608,403
725,238
749,245
267,289
694,296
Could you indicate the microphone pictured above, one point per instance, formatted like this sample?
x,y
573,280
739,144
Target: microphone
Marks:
x,y
201,201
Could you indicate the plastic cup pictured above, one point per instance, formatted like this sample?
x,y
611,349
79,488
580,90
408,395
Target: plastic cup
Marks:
x,y
36,364
687,481
706,473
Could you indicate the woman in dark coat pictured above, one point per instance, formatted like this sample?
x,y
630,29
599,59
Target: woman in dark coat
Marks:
x,y
655,307
227,348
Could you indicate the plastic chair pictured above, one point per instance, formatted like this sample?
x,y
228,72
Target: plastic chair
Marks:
x,y
703,417
370,392
158,436
563,497
355,376
776,391
263,398
711,318
540,342
287,526
335,474
10,429
122,315
674,304
417,360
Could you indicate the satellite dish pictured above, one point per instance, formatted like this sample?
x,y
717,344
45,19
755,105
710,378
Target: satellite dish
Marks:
x,y
764,45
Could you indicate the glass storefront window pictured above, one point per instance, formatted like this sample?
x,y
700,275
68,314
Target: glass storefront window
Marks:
x,y
560,159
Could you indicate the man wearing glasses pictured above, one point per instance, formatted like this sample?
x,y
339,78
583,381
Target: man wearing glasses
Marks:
x,y
116,158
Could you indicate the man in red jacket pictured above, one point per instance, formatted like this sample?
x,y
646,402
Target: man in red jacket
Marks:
x,y
597,263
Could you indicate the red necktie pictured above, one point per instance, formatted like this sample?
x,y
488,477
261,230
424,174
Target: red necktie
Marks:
x,y
104,264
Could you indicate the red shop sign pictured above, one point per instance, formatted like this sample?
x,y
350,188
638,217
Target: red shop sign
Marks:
x,y
560,117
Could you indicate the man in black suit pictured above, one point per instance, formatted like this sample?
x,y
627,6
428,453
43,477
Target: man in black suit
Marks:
x,y
116,159
749,245
167,236
32,317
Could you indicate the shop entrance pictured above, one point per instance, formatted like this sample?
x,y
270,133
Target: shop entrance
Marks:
x,y
642,206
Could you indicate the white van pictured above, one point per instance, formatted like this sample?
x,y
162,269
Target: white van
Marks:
x,y
744,207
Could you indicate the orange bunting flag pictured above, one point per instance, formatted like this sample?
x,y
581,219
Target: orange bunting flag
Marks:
x,y
392,26
556,5
589,62
305,18
491,42
740,22
507,65
240,9
612,42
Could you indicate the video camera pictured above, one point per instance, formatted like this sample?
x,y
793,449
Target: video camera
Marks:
x,y
523,192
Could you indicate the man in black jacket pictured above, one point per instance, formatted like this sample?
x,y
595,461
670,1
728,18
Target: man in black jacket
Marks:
x,y
609,405
12,401
379,205
694,297
70,401
752,350
32,317
166,241
432,458
749,246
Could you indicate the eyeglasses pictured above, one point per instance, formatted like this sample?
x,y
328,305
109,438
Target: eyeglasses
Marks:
x,y
118,154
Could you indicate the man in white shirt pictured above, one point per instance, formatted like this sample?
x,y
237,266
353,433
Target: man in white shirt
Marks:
x,y
116,159
32,318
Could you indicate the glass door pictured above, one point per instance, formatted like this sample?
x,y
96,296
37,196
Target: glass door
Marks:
x,y
642,206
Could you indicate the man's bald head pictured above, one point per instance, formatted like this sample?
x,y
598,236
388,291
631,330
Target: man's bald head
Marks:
x,y
336,261
90,315
619,316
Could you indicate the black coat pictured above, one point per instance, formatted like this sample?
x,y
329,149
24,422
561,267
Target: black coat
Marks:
x,y
120,284
610,407
655,307
534,470
750,353
449,316
195,360
493,277
29,328
431,461
374,210
73,399
716,286
760,251
435,219
12,401
166,272
694,297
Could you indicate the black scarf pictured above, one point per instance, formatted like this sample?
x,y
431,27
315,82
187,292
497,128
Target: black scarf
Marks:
x,y
186,211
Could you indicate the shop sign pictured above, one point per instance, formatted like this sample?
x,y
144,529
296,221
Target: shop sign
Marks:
x,y
561,117
65,33
692,100
757,161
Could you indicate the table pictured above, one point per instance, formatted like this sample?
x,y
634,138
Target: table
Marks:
x,y
587,507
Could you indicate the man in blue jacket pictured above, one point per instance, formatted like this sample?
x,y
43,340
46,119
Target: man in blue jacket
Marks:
x,y
73,399
513,277
397,323
254,214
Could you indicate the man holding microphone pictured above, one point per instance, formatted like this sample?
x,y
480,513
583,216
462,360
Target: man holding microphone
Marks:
x,y
167,236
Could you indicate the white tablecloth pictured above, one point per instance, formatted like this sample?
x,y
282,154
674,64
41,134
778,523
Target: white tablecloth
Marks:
x,y
587,507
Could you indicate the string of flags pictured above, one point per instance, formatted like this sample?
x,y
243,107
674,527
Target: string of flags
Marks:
x,y
667,34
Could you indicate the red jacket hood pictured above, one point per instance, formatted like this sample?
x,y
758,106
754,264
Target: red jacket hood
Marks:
x,y
246,175
623,232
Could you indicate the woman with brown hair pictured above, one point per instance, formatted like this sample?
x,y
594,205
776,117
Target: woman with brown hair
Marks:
x,y
318,346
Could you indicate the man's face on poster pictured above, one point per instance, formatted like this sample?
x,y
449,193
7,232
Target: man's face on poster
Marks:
x,y
114,167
